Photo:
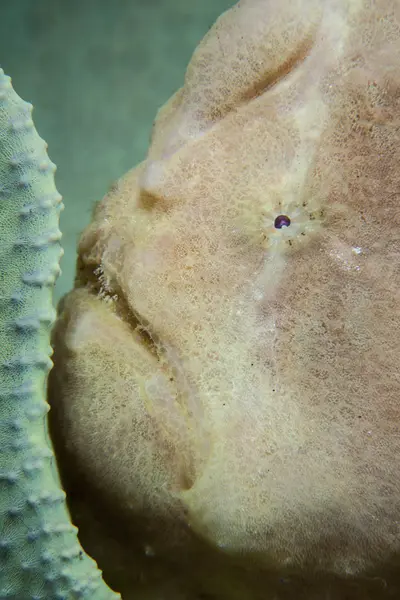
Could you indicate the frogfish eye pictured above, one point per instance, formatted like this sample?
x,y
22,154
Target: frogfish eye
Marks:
x,y
281,221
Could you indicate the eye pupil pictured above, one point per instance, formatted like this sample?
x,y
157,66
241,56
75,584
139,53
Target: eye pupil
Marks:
x,y
281,221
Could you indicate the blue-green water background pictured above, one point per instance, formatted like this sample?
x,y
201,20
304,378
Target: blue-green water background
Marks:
x,y
96,72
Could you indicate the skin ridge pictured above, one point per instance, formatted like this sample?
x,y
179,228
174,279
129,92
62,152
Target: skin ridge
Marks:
x,y
40,555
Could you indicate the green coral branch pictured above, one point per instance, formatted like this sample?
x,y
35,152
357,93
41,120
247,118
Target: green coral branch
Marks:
x,y
40,556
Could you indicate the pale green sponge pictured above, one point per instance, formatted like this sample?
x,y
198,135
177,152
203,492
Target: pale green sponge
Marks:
x,y
40,556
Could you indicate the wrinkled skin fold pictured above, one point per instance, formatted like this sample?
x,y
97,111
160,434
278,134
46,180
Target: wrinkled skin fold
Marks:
x,y
225,397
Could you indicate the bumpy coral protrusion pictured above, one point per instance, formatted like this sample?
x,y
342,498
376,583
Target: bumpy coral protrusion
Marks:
x,y
40,556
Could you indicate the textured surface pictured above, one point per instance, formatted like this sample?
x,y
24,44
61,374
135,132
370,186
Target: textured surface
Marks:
x,y
40,557
94,105
226,393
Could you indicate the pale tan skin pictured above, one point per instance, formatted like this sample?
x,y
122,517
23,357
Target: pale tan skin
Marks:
x,y
226,395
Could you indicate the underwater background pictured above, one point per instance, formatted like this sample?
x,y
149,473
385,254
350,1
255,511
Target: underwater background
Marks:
x,y
96,72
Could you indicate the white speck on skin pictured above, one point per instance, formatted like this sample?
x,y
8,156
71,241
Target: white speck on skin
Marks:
x,y
149,551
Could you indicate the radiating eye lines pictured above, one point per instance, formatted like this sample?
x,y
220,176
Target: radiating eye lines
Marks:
x,y
289,224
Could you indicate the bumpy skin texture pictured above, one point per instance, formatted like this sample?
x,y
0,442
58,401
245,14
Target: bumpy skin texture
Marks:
x,y
225,393
40,556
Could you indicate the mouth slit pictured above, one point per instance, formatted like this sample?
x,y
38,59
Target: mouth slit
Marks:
x,y
93,279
